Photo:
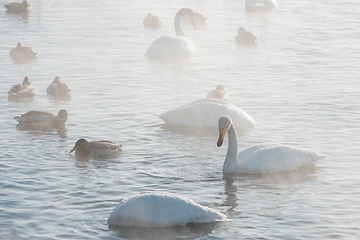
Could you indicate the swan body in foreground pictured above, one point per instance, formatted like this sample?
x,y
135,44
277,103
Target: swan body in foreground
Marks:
x,y
23,54
205,113
22,91
219,93
260,5
59,90
262,158
173,47
17,8
245,38
37,120
152,21
161,209
83,148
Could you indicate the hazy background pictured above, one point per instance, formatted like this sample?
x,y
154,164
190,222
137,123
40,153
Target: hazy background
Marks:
x,y
301,85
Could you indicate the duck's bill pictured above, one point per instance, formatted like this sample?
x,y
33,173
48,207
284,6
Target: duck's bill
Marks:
x,y
72,150
221,137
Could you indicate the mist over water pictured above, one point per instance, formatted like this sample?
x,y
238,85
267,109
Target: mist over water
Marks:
x,y
300,84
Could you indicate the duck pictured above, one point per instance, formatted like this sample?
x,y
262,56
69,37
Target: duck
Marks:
x,y
42,121
204,113
83,148
161,209
17,8
199,20
260,5
219,93
245,38
60,90
262,158
22,53
24,91
152,21
176,47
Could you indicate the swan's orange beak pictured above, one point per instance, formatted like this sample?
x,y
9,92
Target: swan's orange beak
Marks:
x,y
221,137
74,148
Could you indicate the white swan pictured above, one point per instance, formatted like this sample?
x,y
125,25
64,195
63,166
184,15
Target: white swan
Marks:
x,y
219,93
161,209
262,158
59,90
260,5
173,47
152,21
22,91
245,38
205,113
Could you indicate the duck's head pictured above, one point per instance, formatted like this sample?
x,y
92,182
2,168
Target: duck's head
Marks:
x,y
62,116
57,80
19,45
82,147
224,125
241,30
26,81
220,87
24,4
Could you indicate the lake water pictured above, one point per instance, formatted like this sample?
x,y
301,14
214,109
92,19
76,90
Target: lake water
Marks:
x,y
300,84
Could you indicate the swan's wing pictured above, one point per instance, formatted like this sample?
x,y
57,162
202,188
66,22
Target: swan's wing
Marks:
x,y
271,158
161,209
168,46
206,113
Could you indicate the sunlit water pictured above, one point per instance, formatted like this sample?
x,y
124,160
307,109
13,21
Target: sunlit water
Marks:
x,y
301,85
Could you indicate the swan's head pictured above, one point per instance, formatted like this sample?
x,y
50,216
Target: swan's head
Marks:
x,y
57,80
62,116
26,81
81,145
224,124
187,12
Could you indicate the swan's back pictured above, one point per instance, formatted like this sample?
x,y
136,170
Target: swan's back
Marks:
x,y
272,158
205,113
170,47
161,209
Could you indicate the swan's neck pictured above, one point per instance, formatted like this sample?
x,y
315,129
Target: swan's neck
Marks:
x,y
178,27
231,155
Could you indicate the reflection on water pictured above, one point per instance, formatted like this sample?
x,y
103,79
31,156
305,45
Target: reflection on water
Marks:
x,y
189,231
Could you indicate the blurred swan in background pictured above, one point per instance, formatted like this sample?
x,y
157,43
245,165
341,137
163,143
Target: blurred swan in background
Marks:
x,y
59,90
23,54
260,5
83,148
199,20
152,21
219,93
37,120
161,209
23,91
262,158
173,47
17,8
245,38
205,113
